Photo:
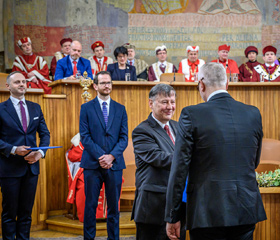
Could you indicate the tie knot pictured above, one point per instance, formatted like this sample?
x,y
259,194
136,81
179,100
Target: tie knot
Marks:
x,y
74,62
162,65
166,128
104,104
21,103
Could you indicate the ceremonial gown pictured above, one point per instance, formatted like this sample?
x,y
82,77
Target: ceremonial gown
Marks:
x,y
36,64
95,65
155,71
232,65
57,56
270,74
188,68
246,71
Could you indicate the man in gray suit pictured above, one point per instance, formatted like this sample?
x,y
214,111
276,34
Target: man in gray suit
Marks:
x,y
218,146
153,142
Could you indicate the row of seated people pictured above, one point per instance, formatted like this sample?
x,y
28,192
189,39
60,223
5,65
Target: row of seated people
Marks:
x,y
68,62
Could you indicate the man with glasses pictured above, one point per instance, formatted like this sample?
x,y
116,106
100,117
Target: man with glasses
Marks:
x,y
218,146
104,135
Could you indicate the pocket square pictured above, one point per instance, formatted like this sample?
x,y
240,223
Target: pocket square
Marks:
x,y
35,118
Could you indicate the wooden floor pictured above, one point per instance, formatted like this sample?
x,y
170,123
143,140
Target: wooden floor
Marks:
x,y
63,224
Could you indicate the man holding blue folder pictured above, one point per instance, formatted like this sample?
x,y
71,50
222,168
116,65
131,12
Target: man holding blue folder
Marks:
x,y
20,120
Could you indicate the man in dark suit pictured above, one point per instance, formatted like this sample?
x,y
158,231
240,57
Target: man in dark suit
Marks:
x,y
103,129
153,142
20,120
67,67
218,145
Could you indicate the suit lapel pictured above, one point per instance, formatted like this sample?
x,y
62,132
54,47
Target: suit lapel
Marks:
x,y
112,110
98,111
31,112
69,65
10,109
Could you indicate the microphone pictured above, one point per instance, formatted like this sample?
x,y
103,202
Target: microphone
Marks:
x,y
229,72
174,77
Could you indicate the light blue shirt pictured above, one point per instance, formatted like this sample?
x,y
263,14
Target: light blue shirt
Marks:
x,y
108,104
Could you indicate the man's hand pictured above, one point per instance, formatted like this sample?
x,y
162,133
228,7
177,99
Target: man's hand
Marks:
x,y
72,77
106,160
33,157
30,74
34,80
21,150
173,230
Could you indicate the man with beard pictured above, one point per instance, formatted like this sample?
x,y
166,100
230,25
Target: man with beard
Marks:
x,y
65,44
67,67
34,68
246,69
104,135
99,62
20,122
191,65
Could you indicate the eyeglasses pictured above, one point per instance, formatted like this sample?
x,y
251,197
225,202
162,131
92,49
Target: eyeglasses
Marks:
x,y
199,83
105,83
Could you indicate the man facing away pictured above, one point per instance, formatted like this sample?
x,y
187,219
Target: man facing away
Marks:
x,y
218,145
103,130
69,66
153,142
20,121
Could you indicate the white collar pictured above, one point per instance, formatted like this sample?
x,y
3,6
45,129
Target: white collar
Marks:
x,y
270,65
15,101
160,123
164,63
72,60
101,101
215,93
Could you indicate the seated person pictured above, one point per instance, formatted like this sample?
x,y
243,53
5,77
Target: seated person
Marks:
x,y
162,66
65,44
269,71
121,71
140,65
68,67
76,186
246,69
99,62
229,64
190,66
34,68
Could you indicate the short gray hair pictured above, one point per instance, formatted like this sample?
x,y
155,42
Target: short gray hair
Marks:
x,y
161,89
8,80
214,74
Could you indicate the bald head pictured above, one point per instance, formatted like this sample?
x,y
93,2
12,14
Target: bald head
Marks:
x,y
76,50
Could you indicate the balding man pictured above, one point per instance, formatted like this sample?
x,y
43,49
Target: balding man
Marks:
x,y
69,66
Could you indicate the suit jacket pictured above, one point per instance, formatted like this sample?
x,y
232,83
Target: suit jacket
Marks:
x,y
153,151
218,145
98,139
12,134
114,70
64,67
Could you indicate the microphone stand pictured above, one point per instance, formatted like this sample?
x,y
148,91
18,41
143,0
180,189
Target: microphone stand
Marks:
x,y
229,72
174,78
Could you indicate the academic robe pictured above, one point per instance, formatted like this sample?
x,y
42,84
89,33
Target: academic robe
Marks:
x,y
36,64
95,65
185,66
155,71
269,74
246,71
232,65
57,56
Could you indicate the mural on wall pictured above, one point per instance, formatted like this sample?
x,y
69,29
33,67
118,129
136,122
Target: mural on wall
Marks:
x,y
144,23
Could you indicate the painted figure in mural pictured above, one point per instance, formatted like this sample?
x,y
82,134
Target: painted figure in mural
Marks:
x,y
229,64
190,66
229,6
121,71
73,64
161,66
65,44
99,61
34,68
269,71
246,69
140,65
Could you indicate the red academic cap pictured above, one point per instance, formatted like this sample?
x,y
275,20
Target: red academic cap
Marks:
x,y
64,40
224,47
269,49
23,40
97,44
250,49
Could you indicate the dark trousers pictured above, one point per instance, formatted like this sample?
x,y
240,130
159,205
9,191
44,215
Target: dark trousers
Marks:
x,y
18,196
242,232
146,231
94,178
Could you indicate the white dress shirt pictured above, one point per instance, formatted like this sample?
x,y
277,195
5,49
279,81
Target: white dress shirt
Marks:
x,y
163,125
216,92
108,104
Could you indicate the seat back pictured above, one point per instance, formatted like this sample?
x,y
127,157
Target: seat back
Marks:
x,y
129,172
170,77
3,78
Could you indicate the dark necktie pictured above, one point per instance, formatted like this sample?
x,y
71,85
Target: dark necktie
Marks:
x,y
23,116
75,68
162,68
105,112
166,128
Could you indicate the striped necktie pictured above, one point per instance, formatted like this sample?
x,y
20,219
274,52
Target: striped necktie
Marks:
x,y
105,112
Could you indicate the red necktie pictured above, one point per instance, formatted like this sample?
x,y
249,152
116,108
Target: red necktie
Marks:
x,y
130,62
166,128
75,68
